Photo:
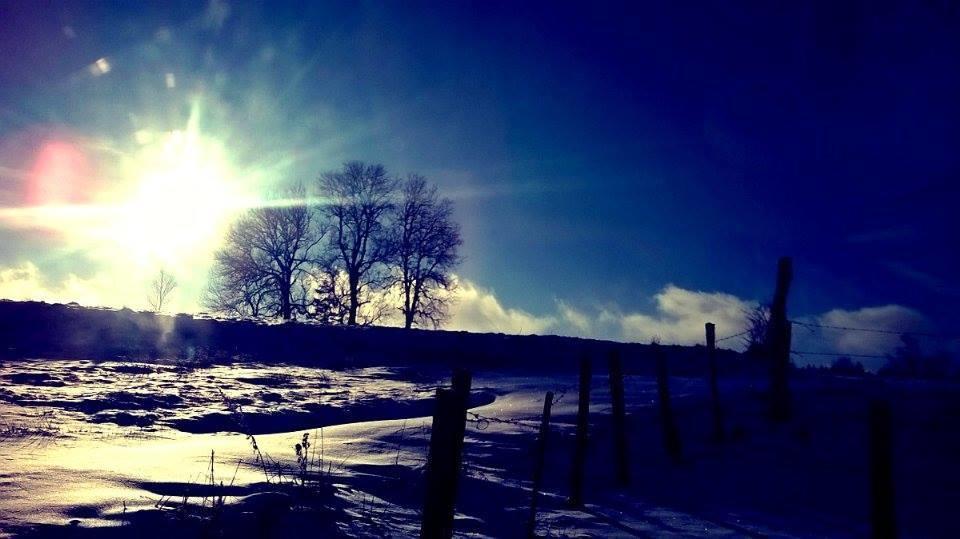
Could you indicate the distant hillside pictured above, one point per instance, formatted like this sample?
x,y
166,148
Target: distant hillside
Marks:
x,y
42,330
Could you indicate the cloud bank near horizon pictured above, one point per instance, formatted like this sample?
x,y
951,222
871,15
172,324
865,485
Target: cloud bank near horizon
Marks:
x,y
677,317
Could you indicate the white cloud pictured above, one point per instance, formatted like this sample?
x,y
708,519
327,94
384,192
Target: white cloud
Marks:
x,y
678,316
575,319
477,309
681,314
25,282
111,287
893,318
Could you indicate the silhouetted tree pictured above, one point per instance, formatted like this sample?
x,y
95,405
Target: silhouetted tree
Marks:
x,y
910,361
235,292
360,199
758,321
331,303
425,241
265,262
843,365
160,290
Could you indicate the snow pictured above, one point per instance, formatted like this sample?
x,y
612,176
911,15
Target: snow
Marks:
x,y
69,459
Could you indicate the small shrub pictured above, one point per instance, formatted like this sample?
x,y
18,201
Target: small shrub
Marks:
x,y
909,361
847,367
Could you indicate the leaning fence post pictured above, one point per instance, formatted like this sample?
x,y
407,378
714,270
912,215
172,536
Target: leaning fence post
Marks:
x,y
778,340
538,465
621,454
460,383
719,432
671,437
583,423
444,460
881,471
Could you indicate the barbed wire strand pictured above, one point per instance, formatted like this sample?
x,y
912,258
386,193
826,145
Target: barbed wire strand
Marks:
x,y
850,328
482,422
836,354
875,330
728,337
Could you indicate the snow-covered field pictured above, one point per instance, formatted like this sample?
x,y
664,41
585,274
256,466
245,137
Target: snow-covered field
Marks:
x,y
88,447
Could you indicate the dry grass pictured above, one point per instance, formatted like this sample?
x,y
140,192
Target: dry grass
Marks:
x,y
30,428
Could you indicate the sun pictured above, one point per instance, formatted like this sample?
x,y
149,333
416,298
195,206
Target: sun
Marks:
x,y
185,195
165,199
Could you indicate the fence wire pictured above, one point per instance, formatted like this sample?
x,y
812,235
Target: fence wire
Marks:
x,y
813,325
835,354
734,336
876,330
482,422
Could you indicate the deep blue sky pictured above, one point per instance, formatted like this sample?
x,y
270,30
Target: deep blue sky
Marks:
x,y
596,151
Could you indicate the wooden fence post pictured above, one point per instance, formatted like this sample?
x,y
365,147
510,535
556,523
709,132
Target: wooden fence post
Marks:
x,y
778,340
538,465
460,383
881,471
445,458
671,437
621,453
719,432
583,424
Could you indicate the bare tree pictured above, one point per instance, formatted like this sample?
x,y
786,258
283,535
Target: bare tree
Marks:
x,y
160,290
331,303
359,203
425,244
331,300
234,293
262,268
758,320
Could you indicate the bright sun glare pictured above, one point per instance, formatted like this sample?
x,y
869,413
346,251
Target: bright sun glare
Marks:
x,y
185,197
163,201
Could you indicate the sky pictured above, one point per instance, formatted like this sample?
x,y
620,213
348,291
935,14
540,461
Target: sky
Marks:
x,y
622,171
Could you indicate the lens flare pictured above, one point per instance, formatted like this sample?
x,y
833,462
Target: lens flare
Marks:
x,y
60,175
162,199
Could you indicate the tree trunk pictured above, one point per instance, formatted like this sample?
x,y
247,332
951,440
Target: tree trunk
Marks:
x,y
354,300
407,306
285,309
412,305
